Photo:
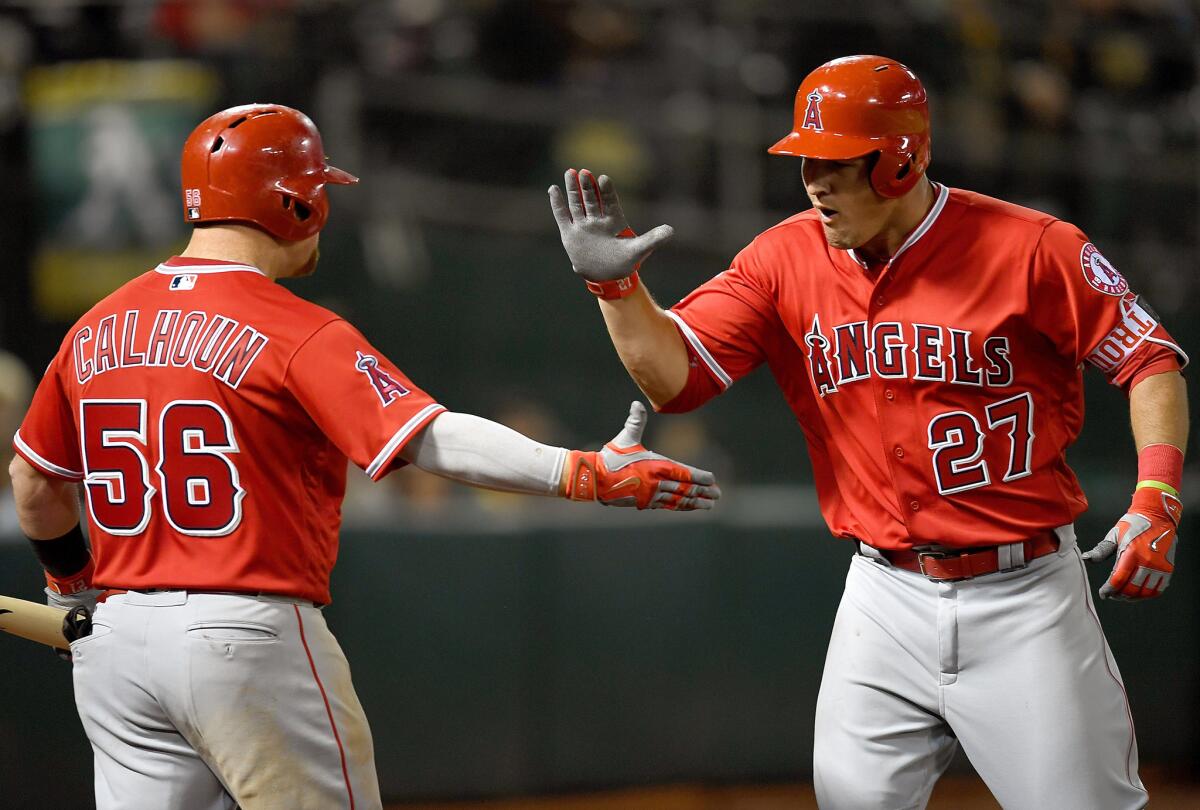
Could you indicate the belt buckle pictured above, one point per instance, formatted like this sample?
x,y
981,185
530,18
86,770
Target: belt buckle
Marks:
x,y
936,555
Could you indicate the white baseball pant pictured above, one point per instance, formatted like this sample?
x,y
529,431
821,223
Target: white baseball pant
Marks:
x,y
209,701
1012,666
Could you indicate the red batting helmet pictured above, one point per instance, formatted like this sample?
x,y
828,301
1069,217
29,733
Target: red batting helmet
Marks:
x,y
259,163
857,105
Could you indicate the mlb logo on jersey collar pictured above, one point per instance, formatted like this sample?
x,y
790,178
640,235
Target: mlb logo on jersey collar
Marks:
x,y
184,281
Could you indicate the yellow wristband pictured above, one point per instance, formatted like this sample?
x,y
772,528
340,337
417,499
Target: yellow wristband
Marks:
x,y
1148,484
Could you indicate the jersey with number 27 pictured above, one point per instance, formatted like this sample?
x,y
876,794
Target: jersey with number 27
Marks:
x,y
938,395
209,413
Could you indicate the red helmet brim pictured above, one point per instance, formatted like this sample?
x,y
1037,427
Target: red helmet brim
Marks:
x,y
825,146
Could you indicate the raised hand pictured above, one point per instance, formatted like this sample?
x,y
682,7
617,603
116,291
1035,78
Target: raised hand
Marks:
x,y
598,240
625,473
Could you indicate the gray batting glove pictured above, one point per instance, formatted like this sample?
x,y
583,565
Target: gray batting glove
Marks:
x,y
598,240
85,598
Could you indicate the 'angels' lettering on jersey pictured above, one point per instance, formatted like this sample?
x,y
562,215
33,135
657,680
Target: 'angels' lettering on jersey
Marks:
x,y
938,393
858,351
212,344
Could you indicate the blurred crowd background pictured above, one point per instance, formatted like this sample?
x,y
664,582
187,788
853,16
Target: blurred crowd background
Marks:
x,y
458,114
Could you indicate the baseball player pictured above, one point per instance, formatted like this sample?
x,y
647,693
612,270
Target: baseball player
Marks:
x,y
209,414
930,342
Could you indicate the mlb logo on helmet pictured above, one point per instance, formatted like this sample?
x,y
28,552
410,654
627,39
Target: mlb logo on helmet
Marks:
x,y
192,202
812,113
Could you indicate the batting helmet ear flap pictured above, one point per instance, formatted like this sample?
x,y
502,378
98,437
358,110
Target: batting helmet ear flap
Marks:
x,y
897,170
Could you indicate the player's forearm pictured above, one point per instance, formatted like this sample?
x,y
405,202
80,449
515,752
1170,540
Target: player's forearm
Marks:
x,y
648,344
1158,411
46,507
482,453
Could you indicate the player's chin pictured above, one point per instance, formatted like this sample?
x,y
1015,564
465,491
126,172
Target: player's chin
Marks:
x,y
839,239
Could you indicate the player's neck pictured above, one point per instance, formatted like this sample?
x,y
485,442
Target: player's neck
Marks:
x,y
239,244
911,210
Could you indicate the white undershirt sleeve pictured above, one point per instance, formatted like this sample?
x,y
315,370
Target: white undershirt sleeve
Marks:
x,y
482,453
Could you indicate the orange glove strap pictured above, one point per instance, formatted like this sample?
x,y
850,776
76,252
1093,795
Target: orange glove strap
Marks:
x,y
73,584
578,482
612,290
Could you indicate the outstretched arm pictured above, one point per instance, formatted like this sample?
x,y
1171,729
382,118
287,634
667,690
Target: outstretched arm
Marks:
x,y
1144,538
604,252
482,453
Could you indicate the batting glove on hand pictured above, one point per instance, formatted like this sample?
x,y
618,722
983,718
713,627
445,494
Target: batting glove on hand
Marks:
x,y
625,473
598,240
76,596
1144,543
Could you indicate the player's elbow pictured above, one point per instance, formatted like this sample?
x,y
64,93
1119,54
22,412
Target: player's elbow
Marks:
x,y
660,384
22,475
34,496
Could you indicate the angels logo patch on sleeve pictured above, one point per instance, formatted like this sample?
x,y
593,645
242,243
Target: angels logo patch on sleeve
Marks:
x,y
386,386
1100,274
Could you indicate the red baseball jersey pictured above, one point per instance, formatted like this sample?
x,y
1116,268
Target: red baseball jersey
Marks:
x,y
209,413
939,395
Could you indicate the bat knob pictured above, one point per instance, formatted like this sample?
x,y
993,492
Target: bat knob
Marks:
x,y
77,623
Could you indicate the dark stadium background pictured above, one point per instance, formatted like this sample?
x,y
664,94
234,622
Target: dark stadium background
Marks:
x,y
509,649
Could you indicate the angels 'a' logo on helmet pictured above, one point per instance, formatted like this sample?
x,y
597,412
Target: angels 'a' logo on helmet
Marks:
x,y
812,113
384,384
1100,274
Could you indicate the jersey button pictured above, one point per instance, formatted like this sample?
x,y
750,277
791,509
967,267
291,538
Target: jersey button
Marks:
x,y
899,451
879,300
889,394
914,505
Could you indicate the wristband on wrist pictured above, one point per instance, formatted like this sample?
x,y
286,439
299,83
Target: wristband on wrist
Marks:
x,y
1160,466
613,290
67,560
63,556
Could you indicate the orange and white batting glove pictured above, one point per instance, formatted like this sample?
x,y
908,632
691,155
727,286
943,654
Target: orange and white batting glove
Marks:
x,y
1144,542
1144,538
625,473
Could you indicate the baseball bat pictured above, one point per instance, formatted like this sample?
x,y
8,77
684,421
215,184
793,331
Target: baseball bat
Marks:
x,y
32,620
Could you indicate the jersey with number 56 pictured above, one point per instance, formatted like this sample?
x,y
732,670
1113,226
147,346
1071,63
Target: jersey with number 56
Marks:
x,y
938,395
209,414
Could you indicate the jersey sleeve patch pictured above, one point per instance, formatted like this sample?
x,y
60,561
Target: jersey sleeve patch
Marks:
x,y
1100,273
1137,325
385,385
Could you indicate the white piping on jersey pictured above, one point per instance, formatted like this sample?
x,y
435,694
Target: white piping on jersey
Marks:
x,y
943,194
710,361
175,270
1172,346
400,436
43,463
